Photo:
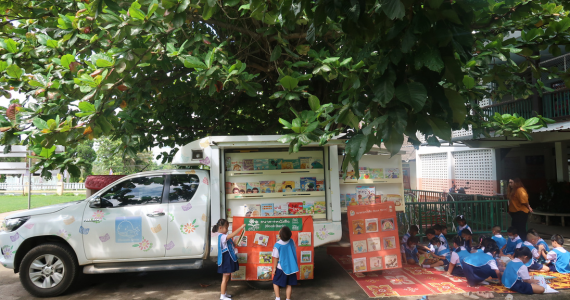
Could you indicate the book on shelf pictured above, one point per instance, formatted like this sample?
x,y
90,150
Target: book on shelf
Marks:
x,y
228,163
364,194
363,173
351,200
305,162
237,165
290,164
280,209
320,185
248,164
239,188
253,187
274,163
267,186
287,186
267,209
252,210
295,208
342,200
308,184
261,164
320,207
317,163
350,175
229,186
376,173
308,207
396,198
391,173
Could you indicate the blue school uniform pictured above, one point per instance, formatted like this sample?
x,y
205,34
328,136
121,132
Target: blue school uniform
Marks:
x,y
287,268
512,245
562,263
227,258
542,260
513,281
411,253
443,251
443,240
406,237
477,267
500,240
532,263
458,270
461,228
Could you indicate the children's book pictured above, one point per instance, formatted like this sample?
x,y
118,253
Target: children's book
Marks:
x,y
306,256
391,261
364,173
243,241
275,163
359,247
308,207
242,258
377,173
277,238
306,272
280,209
376,263
229,212
378,198
359,264
371,225
320,207
342,200
351,199
304,239
287,186
290,164
261,239
267,209
396,198
389,243
264,272
261,164
267,186
373,244
365,194
265,257
252,187
320,185
317,163
239,274
252,210
247,164
240,238
228,163
295,208
229,186
391,173
350,175
237,165
239,188
308,184
305,162
357,226
388,224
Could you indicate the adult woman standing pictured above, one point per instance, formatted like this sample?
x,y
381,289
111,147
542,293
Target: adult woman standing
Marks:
x,y
518,206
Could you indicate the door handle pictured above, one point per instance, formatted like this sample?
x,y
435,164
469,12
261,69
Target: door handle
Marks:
x,y
155,214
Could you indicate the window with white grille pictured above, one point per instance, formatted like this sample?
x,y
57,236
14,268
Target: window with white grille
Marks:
x,y
435,175
477,168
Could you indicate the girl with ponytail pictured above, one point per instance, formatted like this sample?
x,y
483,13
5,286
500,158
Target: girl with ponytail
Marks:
x,y
480,266
516,277
455,267
227,258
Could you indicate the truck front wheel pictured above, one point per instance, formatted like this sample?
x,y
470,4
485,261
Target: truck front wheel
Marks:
x,y
48,270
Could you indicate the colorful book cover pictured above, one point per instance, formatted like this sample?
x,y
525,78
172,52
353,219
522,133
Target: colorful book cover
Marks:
x,y
228,163
389,243
305,162
342,200
287,186
391,261
290,164
261,164
391,173
365,194
320,185
308,184
308,207
229,186
350,175
239,274
261,239
267,187
253,187
252,210
306,256
280,209
267,209
275,163
396,198
264,272
229,212
373,244
359,247
376,263
363,173
317,163
371,225
378,198
351,199
242,258
248,164
377,173
295,208
388,224
304,239
359,264
239,188
243,241
265,257
357,226
237,165
320,207
306,272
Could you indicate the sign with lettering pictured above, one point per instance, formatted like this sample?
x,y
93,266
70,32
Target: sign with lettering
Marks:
x,y
273,224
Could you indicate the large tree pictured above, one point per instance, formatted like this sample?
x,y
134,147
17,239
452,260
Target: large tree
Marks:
x,y
164,73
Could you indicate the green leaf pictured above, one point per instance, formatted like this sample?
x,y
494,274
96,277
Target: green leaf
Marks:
x,y
14,71
330,60
178,20
394,9
194,62
469,82
289,82
346,62
435,3
11,45
183,6
384,89
276,53
314,103
451,15
135,12
40,124
102,63
440,128
430,58
208,12
413,94
285,123
112,5
52,43
66,60
3,65
563,25
86,107
457,104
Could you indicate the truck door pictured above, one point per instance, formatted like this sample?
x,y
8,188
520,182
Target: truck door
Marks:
x,y
130,223
188,214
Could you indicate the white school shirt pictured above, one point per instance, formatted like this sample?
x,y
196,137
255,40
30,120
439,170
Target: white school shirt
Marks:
x,y
276,252
523,271
514,240
443,240
492,263
406,237
535,253
224,241
403,248
551,255
463,227
455,257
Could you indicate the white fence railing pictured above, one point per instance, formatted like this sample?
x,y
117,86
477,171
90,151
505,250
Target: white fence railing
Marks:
x,y
41,187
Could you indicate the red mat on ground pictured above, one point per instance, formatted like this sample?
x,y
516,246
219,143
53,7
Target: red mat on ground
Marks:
x,y
417,281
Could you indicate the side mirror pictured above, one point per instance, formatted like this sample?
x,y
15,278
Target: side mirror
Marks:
x,y
95,202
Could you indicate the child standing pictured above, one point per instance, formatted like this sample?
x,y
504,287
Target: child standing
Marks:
x,y
440,252
285,267
516,277
462,222
455,263
498,237
559,257
227,259
513,242
480,266
409,251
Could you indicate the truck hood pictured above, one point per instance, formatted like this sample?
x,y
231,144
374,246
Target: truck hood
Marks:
x,y
43,210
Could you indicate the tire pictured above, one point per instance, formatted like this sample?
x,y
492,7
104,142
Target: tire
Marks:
x,y
44,265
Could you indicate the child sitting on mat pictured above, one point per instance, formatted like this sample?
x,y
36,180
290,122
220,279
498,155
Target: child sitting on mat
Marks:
x,y
430,234
558,256
441,252
513,242
516,277
467,237
480,266
540,245
440,232
455,267
498,237
413,231
533,264
409,251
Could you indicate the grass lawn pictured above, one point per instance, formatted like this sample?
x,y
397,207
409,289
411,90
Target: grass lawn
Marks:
x,y
12,203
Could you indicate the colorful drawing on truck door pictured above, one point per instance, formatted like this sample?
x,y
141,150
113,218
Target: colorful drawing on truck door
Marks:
x,y
128,230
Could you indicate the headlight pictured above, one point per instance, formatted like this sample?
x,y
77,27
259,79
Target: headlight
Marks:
x,y
15,223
